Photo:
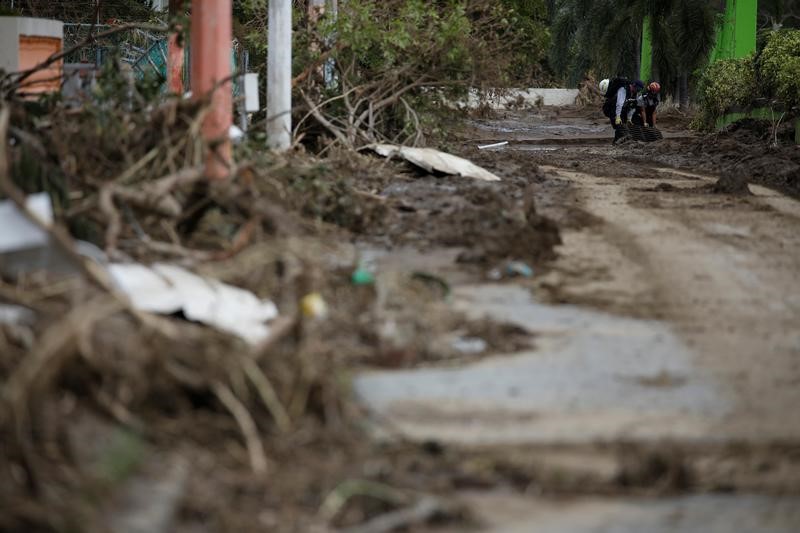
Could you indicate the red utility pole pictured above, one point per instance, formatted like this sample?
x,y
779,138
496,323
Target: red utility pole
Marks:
x,y
211,64
175,51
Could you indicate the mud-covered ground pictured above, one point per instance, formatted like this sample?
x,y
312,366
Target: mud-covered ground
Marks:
x,y
111,418
575,138
695,233
633,238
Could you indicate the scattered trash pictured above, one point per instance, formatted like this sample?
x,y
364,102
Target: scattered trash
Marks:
x,y
235,133
434,160
512,269
314,306
362,276
493,145
469,345
19,233
494,274
432,280
167,289
15,315
25,247
518,268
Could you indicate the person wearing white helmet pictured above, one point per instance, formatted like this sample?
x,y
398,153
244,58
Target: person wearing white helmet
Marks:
x,y
620,94
646,104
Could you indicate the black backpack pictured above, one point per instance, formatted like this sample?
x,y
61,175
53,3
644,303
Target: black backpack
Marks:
x,y
610,105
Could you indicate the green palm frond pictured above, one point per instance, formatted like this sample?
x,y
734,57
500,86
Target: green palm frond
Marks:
x,y
695,30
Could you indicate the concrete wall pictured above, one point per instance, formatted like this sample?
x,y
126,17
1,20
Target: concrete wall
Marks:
x,y
11,28
9,44
525,98
40,38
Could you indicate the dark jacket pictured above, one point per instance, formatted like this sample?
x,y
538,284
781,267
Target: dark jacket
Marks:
x,y
610,104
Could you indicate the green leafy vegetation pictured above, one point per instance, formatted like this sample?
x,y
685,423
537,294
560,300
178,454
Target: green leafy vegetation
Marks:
x,y
724,84
478,40
530,33
780,66
87,11
773,74
379,70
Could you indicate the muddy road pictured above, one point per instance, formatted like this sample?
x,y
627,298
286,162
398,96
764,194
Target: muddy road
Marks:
x,y
606,340
661,390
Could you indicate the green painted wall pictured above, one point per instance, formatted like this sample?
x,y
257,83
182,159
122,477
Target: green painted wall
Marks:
x,y
737,33
744,41
764,113
736,38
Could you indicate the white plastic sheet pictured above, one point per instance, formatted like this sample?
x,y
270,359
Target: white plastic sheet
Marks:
x,y
167,289
434,160
19,233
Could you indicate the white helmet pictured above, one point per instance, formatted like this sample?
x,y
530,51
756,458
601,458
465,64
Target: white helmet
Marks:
x,y
604,86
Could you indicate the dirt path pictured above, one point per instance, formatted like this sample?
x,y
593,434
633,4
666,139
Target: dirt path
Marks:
x,y
722,271
670,321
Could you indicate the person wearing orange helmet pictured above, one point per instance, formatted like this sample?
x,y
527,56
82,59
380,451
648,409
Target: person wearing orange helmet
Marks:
x,y
646,104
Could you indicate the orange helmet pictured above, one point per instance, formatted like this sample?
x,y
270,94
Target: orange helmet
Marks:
x,y
654,87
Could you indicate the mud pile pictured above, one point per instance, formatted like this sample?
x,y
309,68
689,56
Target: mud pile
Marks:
x,y
112,416
746,148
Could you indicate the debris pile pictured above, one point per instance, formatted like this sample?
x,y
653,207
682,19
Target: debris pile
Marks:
x,y
183,347
747,149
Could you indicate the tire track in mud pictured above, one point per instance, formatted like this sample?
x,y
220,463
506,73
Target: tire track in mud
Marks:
x,y
652,260
721,271
724,277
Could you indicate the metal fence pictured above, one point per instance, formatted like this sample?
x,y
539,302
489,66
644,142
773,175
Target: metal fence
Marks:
x,y
131,44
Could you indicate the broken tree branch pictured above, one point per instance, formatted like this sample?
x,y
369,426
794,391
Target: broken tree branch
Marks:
x,y
255,449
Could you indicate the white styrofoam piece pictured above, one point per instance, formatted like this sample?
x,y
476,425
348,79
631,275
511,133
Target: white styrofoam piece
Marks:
x,y
235,133
167,289
19,233
251,97
431,160
15,314
146,289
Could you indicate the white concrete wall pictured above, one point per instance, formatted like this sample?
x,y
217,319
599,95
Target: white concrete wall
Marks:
x,y
9,44
12,27
524,97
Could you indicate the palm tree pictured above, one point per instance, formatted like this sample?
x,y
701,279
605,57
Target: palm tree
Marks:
x,y
606,35
683,34
777,14
578,28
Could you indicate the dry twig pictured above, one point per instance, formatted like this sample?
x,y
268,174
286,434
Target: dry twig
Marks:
x,y
267,394
255,449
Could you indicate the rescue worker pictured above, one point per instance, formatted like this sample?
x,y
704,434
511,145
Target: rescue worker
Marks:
x,y
620,95
646,104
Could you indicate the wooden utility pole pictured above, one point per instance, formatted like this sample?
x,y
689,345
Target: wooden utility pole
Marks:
x,y
175,51
212,32
279,75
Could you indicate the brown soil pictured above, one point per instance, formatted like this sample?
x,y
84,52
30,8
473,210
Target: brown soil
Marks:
x,y
744,149
159,393
97,400
491,221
